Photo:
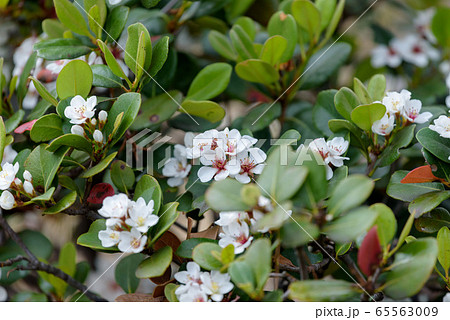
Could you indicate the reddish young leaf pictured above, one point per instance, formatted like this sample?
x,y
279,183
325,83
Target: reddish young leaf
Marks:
x,y
369,254
420,175
99,192
25,127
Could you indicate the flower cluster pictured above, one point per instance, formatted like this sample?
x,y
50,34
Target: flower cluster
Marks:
x,y
415,48
222,153
330,151
238,225
127,222
9,181
199,286
402,109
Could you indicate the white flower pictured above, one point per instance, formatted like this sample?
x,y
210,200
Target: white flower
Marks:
x,y
217,166
28,187
141,216
8,174
80,110
194,294
98,136
446,298
56,66
9,154
395,102
203,142
115,206
422,22
229,217
442,126
22,54
78,130
384,126
27,176
395,83
177,168
236,234
232,142
331,152
216,284
251,163
411,112
102,116
190,278
7,201
416,50
114,2
132,241
3,292
108,237
385,56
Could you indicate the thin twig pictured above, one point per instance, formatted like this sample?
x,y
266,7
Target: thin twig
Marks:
x,y
34,264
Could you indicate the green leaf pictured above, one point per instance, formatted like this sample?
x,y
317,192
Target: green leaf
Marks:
x,y
131,48
324,64
149,3
111,61
13,122
386,222
255,70
361,91
206,255
187,246
326,9
169,292
409,191
90,239
22,86
156,265
434,143
427,202
43,91
208,110
129,104
159,55
94,21
222,45
70,17
56,49
275,219
122,176
335,19
323,290
226,195
29,297
261,116
433,221
350,193
298,233
284,25
2,138
411,269
74,79
401,140
44,197
440,25
248,25
46,128
115,22
307,16
104,77
364,116
345,101
62,204
149,189
324,111
167,217
102,165
210,82
71,140
125,272
349,227
443,239
53,28
43,165
242,43
273,50
377,87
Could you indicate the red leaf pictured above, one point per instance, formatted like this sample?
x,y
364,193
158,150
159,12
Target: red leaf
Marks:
x,y
99,192
369,254
420,175
25,127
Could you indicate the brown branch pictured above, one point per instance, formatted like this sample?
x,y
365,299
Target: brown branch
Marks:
x,y
311,268
353,268
83,211
34,264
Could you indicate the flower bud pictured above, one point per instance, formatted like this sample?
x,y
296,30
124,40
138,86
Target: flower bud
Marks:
x,y
7,201
98,136
102,116
93,121
78,130
28,187
17,182
27,175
